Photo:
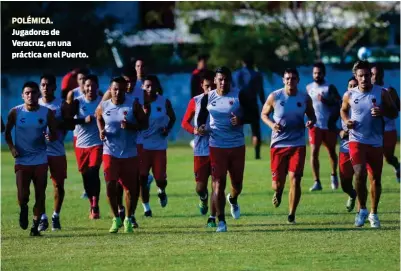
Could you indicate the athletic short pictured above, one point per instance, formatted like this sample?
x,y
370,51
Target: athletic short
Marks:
x,y
287,159
389,141
346,169
363,154
155,160
58,168
35,172
123,170
318,136
139,148
228,159
88,157
202,168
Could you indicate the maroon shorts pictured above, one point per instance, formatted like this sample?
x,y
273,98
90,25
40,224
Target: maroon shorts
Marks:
x,y
389,142
318,136
32,172
155,160
139,148
58,168
287,159
202,168
123,170
88,157
366,155
346,169
228,159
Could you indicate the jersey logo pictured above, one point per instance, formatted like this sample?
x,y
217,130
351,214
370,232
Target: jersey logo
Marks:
x,y
22,120
108,113
231,102
83,108
213,103
41,121
282,103
159,109
356,101
299,104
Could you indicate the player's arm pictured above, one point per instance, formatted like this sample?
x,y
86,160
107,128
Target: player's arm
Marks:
x,y
70,97
344,134
11,120
344,111
100,122
53,125
106,96
310,112
245,108
267,109
390,110
394,97
189,115
171,114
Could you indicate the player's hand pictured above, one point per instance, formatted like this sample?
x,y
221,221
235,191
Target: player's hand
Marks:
x,y
89,118
14,152
234,120
309,124
350,124
102,135
196,131
123,124
277,128
376,112
165,131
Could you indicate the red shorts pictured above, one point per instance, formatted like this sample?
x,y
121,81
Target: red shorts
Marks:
x,y
228,159
88,157
202,168
287,159
155,160
318,136
58,168
346,169
139,148
389,141
36,172
123,170
363,154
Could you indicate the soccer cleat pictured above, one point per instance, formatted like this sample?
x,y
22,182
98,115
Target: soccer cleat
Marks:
x,y
150,180
94,213
56,223
162,198
84,195
148,213
374,220
291,219
235,210
23,217
334,182
221,227
128,225
351,202
203,208
211,223
34,229
43,224
121,214
361,217
116,225
276,199
316,187
134,223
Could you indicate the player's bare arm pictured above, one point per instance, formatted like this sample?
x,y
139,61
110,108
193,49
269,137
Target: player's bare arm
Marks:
x,y
267,109
53,125
11,120
106,96
70,97
171,114
203,115
344,111
390,110
100,122
310,112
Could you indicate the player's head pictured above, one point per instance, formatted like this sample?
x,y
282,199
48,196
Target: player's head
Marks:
x,y
248,61
352,83
202,61
222,79
319,72
149,85
362,74
206,81
30,93
156,84
130,77
140,67
291,78
91,87
118,87
81,73
377,74
47,85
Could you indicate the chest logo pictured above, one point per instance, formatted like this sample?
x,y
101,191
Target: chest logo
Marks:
x,y
231,102
282,103
299,104
213,103
108,113
41,121
83,108
356,101
22,120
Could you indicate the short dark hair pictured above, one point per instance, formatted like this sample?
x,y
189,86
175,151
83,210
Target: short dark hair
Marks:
x,y
129,72
30,84
93,78
119,80
361,65
206,75
321,66
135,59
248,60
352,78
83,71
203,57
378,67
225,71
291,70
49,77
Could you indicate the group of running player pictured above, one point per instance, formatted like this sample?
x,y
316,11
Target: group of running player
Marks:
x,y
126,128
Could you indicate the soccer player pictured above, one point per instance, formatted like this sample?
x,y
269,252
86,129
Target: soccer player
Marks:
x,y
69,82
118,120
89,147
390,131
362,110
202,167
225,108
56,157
30,121
326,103
345,165
195,78
249,81
289,105
154,140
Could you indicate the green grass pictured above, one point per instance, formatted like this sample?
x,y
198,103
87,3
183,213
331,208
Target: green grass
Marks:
x,y
176,239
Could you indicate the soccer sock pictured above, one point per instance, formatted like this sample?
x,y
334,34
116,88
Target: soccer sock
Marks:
x,y
212,217
44,216
55,214
146,206
203,196
233,200
161,191
222,218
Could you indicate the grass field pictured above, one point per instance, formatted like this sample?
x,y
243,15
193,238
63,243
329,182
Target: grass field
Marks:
x,y
324,237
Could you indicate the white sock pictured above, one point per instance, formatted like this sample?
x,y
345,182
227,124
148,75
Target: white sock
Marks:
x,y
160,191
146,206
55,214
44,216
212,217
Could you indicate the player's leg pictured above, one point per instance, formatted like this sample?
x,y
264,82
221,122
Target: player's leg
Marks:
x,y
279,166
144,168
58,174
375,167
358,153
95,160
120,195
236,166
330,141
159,169
296,165
83,156
256,135
389,144
201,171
346,176
315,141
23,176
74,145
39,180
